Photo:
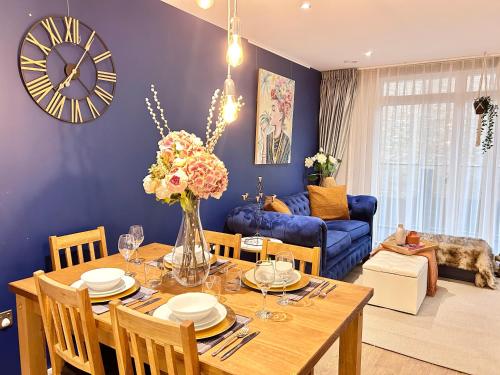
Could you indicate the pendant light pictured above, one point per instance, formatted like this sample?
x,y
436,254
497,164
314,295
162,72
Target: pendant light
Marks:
x,y
205,4
230,108
234,54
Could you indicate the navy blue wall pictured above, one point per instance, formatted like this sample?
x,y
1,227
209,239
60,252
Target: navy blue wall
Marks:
x,y
56,178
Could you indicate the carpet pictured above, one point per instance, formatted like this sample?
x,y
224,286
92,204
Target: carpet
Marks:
x,y
459,328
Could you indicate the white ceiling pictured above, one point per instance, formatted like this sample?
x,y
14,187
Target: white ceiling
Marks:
x,y
335,31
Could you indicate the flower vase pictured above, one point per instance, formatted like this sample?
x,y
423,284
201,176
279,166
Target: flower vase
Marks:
x,y
327,182
191,256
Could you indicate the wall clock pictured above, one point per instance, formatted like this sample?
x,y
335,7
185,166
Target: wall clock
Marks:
x,y
67,69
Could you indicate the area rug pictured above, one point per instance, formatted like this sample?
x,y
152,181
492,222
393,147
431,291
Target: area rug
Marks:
x,y
459,328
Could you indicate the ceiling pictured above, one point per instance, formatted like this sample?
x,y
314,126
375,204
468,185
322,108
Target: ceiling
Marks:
x,y
334,33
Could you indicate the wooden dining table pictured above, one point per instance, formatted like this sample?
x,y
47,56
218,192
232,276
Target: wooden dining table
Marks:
x,y
291,345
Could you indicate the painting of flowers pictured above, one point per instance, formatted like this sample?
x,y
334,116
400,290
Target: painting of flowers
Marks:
x,y
275,98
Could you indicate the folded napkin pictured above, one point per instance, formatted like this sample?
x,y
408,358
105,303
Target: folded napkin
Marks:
x,y
213,268
155,262
207,344
297,295
217,265
143,292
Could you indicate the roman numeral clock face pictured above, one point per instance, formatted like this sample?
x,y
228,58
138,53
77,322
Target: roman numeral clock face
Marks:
x,y
67,69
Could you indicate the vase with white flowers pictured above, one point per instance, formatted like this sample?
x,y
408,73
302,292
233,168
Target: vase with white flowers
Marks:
x,y
325,166
186,170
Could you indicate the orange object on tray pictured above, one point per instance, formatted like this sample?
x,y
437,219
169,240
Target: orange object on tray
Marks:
x,y
413,238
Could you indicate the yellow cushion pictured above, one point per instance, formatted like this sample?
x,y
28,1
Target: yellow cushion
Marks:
x,y
328,203
276,206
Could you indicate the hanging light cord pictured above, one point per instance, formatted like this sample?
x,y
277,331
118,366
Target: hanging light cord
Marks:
x,y
228,34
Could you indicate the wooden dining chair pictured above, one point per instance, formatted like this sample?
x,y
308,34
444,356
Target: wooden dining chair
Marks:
x,y
65,243
157,334
303,254
222,243
69,326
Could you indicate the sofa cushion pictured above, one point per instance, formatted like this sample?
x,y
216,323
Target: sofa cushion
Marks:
x,y
276,205
336,242
355,228
328,203
298,203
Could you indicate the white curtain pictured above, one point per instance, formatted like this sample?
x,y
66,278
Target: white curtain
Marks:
x,y
412,145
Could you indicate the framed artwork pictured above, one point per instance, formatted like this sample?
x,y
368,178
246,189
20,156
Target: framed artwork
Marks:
x,y
273,136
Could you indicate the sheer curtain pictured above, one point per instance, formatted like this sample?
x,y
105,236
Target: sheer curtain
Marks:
x,y
412,145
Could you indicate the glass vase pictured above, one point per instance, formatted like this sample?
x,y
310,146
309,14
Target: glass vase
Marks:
x,y
191,256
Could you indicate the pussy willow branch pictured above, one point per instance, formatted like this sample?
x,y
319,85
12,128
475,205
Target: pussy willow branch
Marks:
x,y
153,114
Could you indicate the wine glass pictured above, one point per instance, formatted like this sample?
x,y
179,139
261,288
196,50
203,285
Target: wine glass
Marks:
x,y
137,233
126,246
284,269
264,278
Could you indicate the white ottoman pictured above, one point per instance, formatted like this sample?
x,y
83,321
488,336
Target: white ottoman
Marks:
x,y
399,281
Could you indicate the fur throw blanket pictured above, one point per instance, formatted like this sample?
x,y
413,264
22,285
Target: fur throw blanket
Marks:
x,y
470,254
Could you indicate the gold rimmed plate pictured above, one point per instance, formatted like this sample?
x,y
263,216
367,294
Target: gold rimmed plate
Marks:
x,y
223,326
125,293
129,286
302,283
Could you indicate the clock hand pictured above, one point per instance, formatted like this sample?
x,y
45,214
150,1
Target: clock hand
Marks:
x,y
68,79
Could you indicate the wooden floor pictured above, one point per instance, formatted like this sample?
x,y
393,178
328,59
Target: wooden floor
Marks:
x,y
376,361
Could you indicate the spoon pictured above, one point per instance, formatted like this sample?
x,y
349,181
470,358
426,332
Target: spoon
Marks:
x,y
239,335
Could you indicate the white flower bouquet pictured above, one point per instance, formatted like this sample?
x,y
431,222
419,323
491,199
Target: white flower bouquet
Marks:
x,y
324,166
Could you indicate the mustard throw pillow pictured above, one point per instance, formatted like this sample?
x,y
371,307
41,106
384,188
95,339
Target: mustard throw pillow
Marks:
x,y
328,203
276,206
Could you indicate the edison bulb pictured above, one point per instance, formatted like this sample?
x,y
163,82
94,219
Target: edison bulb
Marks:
x,y
205,4
234,56
230,110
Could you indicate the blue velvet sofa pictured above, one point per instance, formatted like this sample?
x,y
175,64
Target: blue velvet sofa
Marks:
x,y
343,243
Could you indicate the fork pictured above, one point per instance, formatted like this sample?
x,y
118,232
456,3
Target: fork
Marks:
x,y
324,293
239,335
140,297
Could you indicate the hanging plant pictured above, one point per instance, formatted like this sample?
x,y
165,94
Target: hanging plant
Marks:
x,y
488,112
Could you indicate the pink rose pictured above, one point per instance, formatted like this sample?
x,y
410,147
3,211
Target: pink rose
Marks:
x,y
177,182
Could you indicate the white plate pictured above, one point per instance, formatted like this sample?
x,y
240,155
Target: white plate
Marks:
x,y
168,258
127,282
215,317
103,279
249,275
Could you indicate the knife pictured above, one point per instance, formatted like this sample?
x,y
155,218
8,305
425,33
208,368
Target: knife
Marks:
x,y
219,268
330,289
318,291
147,303
233,350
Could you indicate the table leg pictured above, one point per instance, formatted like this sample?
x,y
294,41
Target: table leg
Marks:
x,y
31,337
350,347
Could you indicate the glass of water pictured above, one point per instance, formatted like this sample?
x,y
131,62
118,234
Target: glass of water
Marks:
x,y
213,286
233,279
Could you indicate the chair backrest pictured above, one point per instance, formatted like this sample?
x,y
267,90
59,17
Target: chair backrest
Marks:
x,y
157,334
69,325
222,243
78,240
300,253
